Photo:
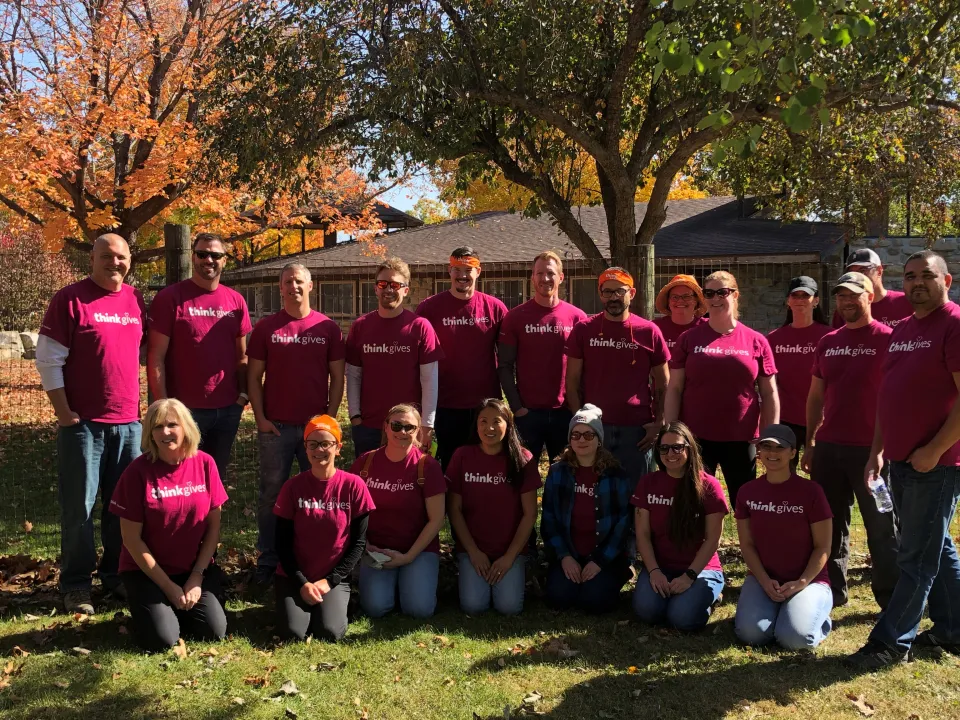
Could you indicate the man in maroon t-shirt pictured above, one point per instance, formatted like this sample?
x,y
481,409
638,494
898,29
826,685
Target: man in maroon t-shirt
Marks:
x,y
612,358
889,306
88,356
296,370
197,350
841,409
467,323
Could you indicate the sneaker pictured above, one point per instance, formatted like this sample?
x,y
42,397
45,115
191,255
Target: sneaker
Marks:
x,y
927,639
78,601
874,656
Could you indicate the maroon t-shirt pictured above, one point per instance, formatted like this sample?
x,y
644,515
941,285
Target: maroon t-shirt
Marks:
x,y
390,351
655,493
780,518
583,523
203,327
322,511
102,330
917,391
540,334
401,513
849,362
793,352
671,331
467,331
891,311
625,351
720,400
173,503
491,505
297,353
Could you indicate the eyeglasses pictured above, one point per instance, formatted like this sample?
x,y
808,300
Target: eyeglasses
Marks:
x,y
615,293
667,449
720,292
682,298
324,445
209,254
392,284
400,427
587,435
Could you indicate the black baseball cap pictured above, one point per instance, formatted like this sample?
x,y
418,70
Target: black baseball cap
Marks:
x,y
782,435
805,283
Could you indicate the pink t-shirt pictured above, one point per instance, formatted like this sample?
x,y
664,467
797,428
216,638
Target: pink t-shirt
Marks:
x,y
102,331
401,513
297,353
655,493
793,351
849,362
540,334
490,503
390,351
780,518
625,351
203,327
583,522
172,503
917,391
720,400
467,331
322,511
891,311
671,331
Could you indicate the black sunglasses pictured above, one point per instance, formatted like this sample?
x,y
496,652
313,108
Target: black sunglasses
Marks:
x,y
666,449
721,292
397,426
208,254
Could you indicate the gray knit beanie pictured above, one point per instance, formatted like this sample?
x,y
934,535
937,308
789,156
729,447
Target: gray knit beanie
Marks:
x,y
588,415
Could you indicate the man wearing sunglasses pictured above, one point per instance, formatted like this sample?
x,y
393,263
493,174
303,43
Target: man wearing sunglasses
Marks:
x,y
392,358
890,307
467,323
197,350
611,359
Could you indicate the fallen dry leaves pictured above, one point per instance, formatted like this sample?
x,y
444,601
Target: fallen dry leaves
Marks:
x,y
260,680
180,650
860,703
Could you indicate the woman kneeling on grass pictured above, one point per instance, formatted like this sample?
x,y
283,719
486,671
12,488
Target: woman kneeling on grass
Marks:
x,y
321,535
785,528
679,519
586,520
493,507
408,488
168,501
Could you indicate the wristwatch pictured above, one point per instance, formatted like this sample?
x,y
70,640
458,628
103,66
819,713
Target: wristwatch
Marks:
x,y
691,573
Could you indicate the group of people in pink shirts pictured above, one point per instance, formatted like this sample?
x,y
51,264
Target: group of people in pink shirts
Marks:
x,y
638,419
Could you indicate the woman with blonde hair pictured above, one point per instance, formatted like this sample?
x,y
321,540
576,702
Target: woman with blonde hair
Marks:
x,y
408,488
715,371
168,501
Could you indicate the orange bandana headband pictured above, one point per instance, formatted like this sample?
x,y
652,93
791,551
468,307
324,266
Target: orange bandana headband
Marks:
x,y
617,274
465,261
323,422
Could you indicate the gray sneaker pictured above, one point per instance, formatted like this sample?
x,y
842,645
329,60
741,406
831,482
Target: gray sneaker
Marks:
x,y
78,601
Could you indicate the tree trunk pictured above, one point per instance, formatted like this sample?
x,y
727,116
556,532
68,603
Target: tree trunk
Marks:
x,y
176,241
625,252
877,221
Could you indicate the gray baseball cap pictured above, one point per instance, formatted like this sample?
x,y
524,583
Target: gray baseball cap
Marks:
x,y
782,435
863,256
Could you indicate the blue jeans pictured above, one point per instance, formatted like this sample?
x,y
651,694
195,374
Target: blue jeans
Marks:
x,y
929,566
799,623
276,460
218,429
91,456
622,441
417,583
598,595
689,610
365,439
475,592
545,428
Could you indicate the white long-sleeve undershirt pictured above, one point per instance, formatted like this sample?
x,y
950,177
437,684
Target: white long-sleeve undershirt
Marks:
x,y
51,357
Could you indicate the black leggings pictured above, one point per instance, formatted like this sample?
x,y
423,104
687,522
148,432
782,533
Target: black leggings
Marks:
x,y
297,619
157,624
737,459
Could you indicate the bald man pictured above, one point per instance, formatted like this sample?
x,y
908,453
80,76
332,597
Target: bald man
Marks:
x,y
88,356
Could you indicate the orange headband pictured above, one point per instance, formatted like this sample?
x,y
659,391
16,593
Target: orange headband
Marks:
x,y
323,422
617,274
465,261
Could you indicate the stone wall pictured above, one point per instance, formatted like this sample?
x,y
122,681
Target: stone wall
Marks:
x,y
893,251
18,345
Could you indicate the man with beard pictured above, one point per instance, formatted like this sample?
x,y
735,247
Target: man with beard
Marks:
x,y
532,360
392,358
612,358
197,352
918,430
467,323
88,357
889,306
841,410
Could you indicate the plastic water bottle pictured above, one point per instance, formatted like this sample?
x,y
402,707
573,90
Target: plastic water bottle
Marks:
x,y
881,495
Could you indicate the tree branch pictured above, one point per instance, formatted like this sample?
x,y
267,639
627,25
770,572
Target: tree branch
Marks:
x,y
20,210
614,106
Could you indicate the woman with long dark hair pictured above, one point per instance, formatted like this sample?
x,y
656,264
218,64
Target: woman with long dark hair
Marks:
x,y
493,508
678,521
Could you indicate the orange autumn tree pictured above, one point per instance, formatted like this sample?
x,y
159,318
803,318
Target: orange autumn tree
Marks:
x,y
104,127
